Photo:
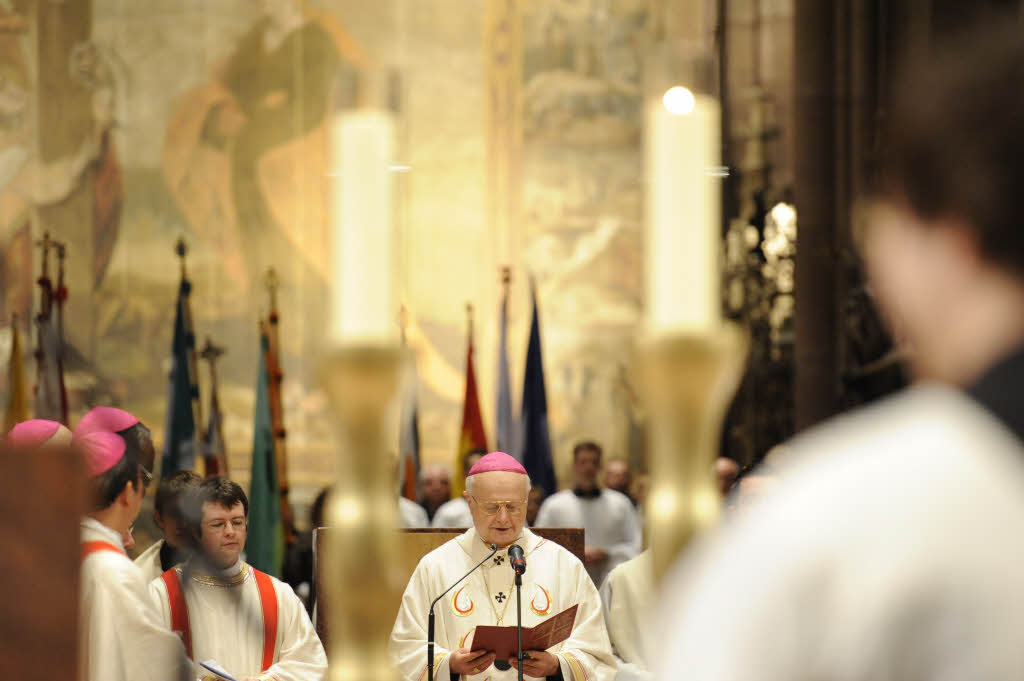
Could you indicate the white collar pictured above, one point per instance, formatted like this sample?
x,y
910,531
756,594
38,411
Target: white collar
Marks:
x,y
90,524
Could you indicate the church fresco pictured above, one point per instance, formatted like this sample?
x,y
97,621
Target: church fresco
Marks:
x,y
217,117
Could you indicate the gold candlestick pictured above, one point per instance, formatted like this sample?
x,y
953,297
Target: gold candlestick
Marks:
x,y
362,554
689,380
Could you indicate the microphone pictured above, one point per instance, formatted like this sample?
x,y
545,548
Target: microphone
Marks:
x,y
430,618
517,558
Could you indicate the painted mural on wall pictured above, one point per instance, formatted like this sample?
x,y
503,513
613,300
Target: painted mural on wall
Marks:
x,y
207,120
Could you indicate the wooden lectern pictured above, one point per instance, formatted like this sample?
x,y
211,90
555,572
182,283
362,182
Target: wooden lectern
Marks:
x,y
416,543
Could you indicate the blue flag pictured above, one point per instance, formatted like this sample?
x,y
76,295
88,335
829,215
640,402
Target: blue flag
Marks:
x,y
535,450
183,392
264,546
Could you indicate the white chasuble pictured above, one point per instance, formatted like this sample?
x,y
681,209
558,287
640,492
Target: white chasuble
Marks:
x,y
226,622
554,580
121,635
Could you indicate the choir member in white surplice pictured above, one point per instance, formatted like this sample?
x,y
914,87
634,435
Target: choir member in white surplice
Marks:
x,y
121,636
174,548
628,599
496,491
890,546
252,624
611,523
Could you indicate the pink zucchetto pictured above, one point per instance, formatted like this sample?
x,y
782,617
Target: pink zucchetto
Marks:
x,y
96,437
38,433
497,461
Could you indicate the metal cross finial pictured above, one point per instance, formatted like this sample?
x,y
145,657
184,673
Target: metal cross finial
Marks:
x,y
181,248
403,320
469,317
46,244
506,276
211,352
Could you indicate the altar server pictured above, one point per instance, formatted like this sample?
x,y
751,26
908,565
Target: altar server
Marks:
x,y
252,624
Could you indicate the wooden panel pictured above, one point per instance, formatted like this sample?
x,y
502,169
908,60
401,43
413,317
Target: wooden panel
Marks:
x,y
41,502
417,542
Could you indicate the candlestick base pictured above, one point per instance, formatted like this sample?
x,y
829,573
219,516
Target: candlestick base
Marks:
x,y
689,380
362,555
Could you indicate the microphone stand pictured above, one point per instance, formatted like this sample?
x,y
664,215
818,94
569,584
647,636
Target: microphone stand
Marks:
x,y
430,617
519,624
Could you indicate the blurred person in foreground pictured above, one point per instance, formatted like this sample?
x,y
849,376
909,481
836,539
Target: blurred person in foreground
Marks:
x,y
165,553
121,635
496,490
890,547
224,609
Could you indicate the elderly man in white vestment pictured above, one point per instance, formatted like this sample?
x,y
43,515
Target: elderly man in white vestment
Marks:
x,y
122,638
891,546
251,623
496,490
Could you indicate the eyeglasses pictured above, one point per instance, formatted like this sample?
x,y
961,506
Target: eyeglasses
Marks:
x,y
221,525
147,477
513,508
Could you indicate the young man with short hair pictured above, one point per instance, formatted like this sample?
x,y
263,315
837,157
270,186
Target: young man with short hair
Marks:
x,y
252,624
175,547
121,635
612,527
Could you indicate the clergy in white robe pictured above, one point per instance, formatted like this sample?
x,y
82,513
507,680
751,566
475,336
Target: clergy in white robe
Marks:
x,y
175,547
252,624
628,600
411,514
554,580
453,513
609,519
121,636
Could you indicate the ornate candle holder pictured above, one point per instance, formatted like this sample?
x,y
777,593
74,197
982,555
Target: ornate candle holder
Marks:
x,y
689,380
362,553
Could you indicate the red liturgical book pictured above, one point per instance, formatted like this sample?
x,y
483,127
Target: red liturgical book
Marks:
x,y
502,640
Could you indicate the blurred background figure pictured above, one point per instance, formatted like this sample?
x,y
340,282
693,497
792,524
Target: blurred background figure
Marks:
x,y
455,512
611,523
533,501
298,564
435,487
618,477
164,554
726,472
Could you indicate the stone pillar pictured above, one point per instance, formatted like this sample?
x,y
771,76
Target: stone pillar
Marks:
x,y
815,163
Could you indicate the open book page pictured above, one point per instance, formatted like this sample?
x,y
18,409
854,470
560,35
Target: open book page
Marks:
x,y
502,640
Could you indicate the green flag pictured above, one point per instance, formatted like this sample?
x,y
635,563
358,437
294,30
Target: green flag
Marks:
x,y
265,544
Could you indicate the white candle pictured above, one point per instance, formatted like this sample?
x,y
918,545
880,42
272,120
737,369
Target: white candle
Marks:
x,y
363,309
682,213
